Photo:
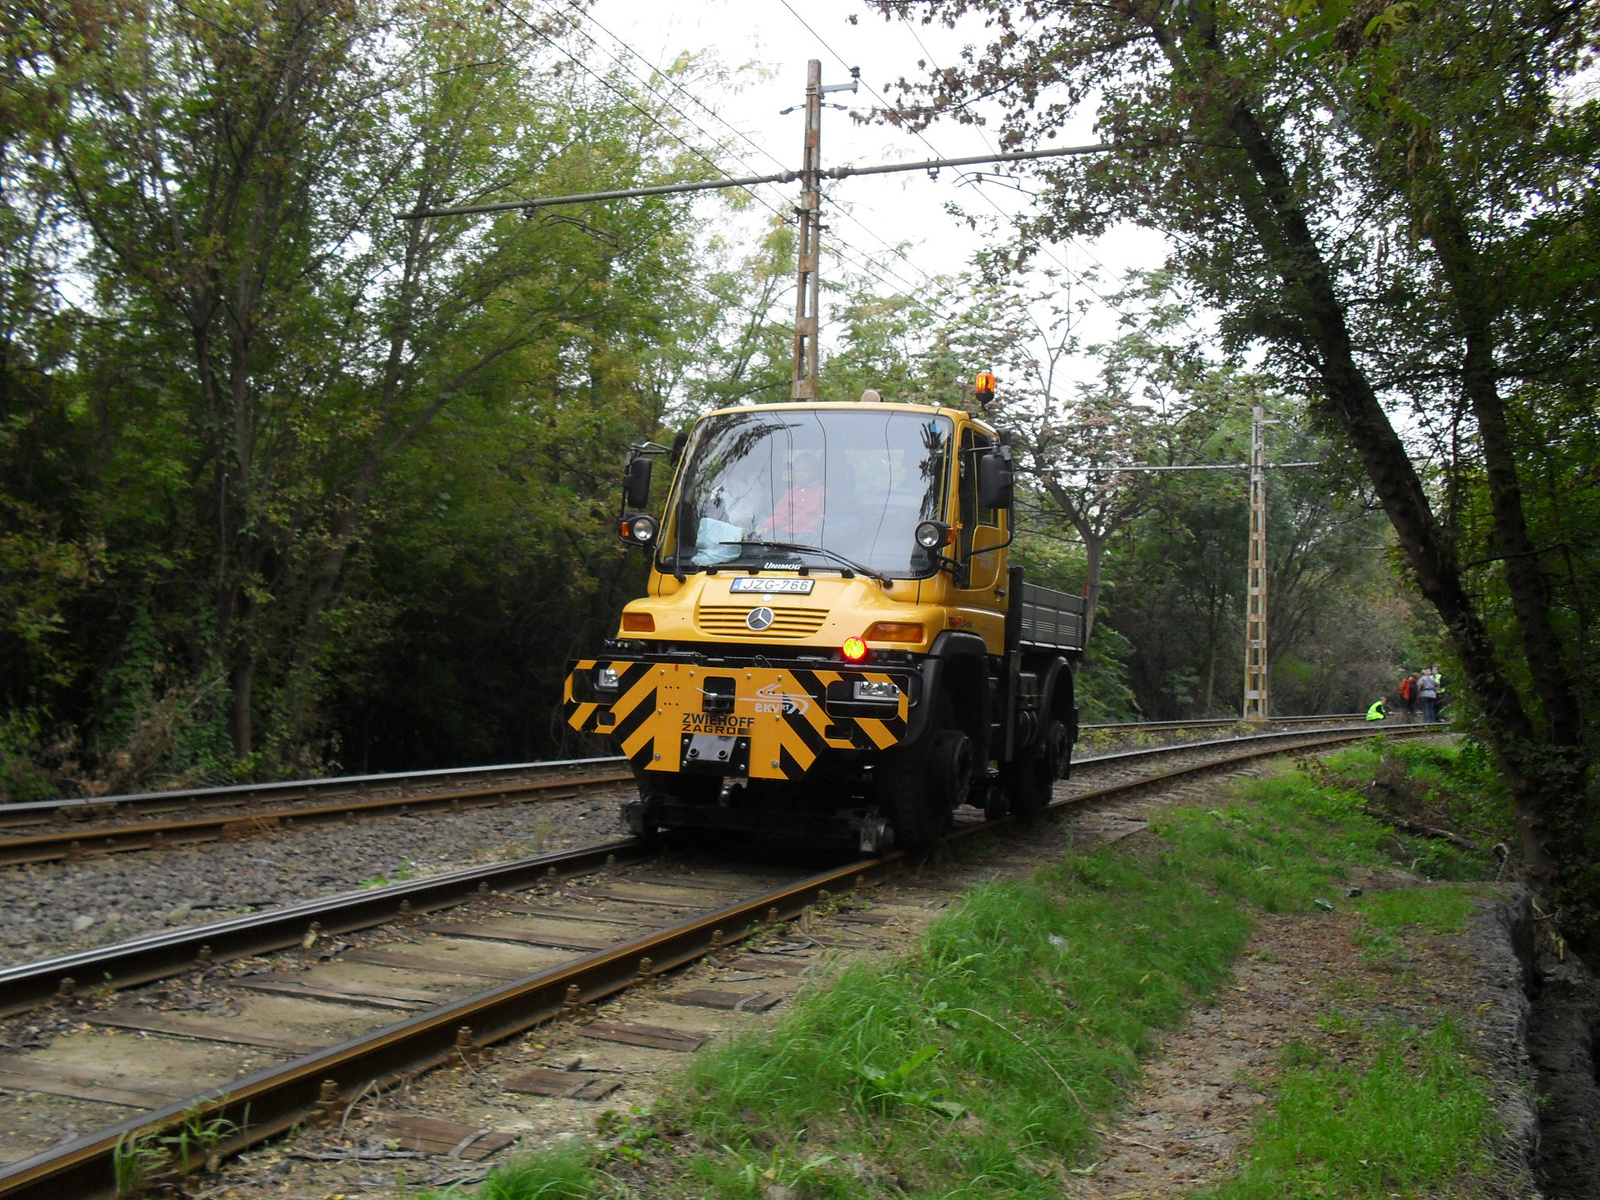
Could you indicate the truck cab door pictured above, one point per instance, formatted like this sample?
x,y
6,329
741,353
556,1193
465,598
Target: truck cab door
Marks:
x,y
980,530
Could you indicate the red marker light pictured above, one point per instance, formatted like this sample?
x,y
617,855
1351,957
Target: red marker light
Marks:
x,y
854,649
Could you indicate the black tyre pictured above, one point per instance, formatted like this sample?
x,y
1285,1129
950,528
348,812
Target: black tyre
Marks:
x,y
1031,778
911,794
950,769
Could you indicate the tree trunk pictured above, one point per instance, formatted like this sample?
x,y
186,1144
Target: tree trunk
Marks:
x,y
1266,189
1473,296
1094,552
242,677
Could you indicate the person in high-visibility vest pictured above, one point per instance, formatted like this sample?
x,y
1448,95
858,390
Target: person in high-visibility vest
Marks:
x,y
1377,712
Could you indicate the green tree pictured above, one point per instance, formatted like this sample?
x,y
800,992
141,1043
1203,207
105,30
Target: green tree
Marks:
x,y
1354,191
268,353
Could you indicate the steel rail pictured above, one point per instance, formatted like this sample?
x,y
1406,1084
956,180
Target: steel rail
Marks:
x,y
1181,747
171,952
141,960
72,844
1324,738
315,1086
36,811
33,812
272,1100
1204,721
155,835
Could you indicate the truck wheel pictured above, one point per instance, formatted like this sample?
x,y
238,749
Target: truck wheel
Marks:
x,y
699,790
950,769
916,802
1031,779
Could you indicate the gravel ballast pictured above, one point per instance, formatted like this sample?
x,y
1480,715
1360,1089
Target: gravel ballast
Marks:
x,y
52,908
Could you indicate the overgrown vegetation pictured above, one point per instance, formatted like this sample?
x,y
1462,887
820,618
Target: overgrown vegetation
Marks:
x,y
1390,209
983,1064
287,487
1409,1114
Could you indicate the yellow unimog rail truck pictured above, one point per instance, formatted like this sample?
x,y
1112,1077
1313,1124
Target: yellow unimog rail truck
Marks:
x,y
833,644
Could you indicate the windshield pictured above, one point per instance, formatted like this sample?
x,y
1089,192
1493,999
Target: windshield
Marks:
x,y
851,483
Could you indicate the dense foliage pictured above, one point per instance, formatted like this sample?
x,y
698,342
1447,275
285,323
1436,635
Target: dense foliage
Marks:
x,y
289,484
267,447
1393,205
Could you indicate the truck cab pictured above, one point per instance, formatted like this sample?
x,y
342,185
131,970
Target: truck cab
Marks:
x,y
832,643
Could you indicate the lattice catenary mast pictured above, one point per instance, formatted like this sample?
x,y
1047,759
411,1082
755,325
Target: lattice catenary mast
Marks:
x,y
1255,613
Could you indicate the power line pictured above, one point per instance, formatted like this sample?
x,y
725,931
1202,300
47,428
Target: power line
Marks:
x,y
916,37
668,130
665,189
892,248
921,45
865,264
847,253
864,256
924,139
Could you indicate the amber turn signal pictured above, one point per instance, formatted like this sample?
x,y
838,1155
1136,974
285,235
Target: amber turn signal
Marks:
x,y
896,631
638,622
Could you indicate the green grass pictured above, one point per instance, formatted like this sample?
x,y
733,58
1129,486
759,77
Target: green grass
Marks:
x,y
1411,1116
1452,785
1438,910
380,880
564,1174
1019,1022
979,1065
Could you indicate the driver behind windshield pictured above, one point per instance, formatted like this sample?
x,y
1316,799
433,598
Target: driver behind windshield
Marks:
x,y
754,491
800,512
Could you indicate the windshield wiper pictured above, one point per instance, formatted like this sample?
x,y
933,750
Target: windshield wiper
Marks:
x,y
849,564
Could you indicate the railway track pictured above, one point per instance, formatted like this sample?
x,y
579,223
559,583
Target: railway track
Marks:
x,y
1224,722
557,783
62,830
247,799
269,1046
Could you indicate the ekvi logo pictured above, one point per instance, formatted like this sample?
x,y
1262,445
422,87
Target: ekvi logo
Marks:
x,y
773,699
759,619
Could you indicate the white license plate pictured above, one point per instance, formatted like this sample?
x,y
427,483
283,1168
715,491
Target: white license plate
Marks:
x,y
754,583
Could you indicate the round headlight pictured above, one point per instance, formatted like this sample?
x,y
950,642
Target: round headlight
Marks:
x,y
930,535
643,530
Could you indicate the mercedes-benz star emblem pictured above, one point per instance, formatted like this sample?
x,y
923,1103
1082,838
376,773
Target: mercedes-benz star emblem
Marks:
x,y
758,618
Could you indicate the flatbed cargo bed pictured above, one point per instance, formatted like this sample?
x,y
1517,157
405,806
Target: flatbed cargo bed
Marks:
x,y
1052,620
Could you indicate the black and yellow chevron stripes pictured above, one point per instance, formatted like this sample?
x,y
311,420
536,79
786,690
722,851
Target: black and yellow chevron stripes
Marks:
x,y
782,711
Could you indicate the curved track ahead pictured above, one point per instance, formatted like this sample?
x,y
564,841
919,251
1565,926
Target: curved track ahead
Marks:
x,y
265,1102
53,830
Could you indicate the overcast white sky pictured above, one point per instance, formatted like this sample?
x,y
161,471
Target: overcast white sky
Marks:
x,y
897,223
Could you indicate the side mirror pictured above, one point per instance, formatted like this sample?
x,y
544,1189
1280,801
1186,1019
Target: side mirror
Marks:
x,y
995,482
636,483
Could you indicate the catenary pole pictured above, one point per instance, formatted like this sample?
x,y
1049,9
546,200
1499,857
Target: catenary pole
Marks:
x,y
808,216
1256,676
1257,697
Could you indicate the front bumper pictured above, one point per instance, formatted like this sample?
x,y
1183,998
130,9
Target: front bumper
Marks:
x,y
757,722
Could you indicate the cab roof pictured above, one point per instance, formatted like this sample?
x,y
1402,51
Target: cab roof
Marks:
x,y
955,414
